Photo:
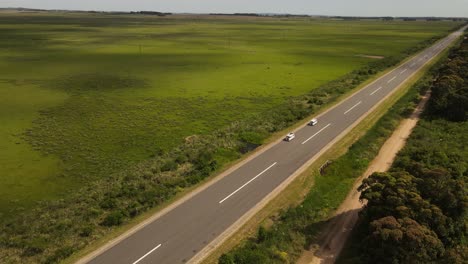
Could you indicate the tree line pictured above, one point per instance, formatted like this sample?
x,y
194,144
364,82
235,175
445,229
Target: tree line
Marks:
x,y
416,212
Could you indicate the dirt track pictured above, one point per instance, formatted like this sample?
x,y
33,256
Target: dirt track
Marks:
x,y
338,230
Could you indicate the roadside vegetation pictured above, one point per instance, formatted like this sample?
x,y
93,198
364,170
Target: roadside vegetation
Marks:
x,y
292,231
124,139
416,212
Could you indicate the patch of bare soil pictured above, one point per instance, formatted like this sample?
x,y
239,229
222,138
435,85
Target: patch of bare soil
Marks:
x,y
335,234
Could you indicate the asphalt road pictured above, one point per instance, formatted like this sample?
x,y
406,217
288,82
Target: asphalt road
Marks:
x,y
178,235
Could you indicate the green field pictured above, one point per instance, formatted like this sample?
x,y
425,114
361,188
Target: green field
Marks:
x,y
83,96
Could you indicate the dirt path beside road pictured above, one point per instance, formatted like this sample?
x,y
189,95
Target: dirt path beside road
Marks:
x,y
336,233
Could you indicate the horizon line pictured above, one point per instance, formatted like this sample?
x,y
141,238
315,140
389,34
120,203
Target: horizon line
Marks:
x,y
222,13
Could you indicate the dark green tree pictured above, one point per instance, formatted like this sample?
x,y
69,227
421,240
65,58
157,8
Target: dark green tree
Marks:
x,y
402,241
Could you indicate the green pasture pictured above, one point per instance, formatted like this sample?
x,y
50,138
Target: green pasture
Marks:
x,y
84,96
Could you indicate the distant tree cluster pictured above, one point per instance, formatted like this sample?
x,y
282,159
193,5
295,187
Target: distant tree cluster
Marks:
x,y
152,13
235,14
416,212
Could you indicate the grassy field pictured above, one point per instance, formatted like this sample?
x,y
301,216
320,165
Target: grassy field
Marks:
x,y
83,96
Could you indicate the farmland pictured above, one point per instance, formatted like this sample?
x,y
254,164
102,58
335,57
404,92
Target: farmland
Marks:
x,y
83,96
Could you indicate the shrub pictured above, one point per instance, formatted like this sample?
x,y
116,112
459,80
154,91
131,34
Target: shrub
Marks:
x,y
60,254
86,231
226,259
169,165
113,219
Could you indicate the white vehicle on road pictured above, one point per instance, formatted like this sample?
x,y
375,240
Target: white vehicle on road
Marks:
x,y
313,122
289,136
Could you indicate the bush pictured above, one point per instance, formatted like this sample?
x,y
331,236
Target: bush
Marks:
x,y
169,165
113,219
226,259
60,254
86,231
251,137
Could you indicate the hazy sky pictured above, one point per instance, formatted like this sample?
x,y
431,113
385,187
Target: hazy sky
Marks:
x,y
316,7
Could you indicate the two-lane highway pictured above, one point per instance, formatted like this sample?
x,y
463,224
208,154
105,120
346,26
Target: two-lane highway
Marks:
x,y
179,234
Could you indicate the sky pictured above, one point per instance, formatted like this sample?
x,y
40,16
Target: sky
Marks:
x,y
445,8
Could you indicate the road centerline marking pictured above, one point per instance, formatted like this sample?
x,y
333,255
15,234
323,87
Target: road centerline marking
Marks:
x,y
315,134
414,63
403,71
347,111
245,184
376,90
391,80
149,252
